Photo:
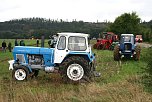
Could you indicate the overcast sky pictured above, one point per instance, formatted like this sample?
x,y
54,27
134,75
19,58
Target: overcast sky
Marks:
x,y
86,10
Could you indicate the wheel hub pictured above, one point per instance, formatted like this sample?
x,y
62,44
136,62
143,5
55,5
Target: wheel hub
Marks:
x,y
20,74
75,72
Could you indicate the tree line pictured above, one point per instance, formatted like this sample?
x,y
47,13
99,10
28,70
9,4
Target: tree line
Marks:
x,y
36,27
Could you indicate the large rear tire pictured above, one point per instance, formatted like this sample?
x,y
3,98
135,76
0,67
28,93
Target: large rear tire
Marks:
x,y
20,73
116,53
74,69
137,51
99,47
104,46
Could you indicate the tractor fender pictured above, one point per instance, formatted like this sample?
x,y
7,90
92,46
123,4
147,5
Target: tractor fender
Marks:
x,y
26,65
89,57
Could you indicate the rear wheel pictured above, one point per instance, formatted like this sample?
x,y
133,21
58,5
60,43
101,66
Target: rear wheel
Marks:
x,y
75,72
74,69
104,46
116,53
99,47
137,53
20,73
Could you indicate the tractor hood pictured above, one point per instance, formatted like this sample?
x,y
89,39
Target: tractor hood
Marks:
x,y
103,40
32,50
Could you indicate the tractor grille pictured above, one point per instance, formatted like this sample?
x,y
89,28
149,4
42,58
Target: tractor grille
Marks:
x,y
128,47
20,57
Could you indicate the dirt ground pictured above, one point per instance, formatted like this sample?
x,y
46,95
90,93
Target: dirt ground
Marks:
x,y
144,45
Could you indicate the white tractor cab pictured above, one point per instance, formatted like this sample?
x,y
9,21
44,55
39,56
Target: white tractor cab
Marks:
x,y
72,58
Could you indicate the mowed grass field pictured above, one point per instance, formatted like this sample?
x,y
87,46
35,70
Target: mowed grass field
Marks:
x,y
119,82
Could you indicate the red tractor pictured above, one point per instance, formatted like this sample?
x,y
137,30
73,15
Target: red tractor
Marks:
x,y
106,40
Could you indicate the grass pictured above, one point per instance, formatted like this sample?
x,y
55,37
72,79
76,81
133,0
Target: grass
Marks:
x,y
28,42
120,82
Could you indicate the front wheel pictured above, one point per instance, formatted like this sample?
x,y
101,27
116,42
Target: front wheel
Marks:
x,y
20,73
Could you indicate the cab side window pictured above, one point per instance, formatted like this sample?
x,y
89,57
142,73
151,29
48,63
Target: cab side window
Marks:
x,y
62,43
77,43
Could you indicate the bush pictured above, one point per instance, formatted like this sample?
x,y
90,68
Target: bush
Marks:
x,y
147,77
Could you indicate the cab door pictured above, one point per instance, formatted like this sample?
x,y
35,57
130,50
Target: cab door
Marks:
x,y
60,49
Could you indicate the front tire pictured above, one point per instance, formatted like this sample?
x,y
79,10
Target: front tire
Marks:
x,y
74,69
20,73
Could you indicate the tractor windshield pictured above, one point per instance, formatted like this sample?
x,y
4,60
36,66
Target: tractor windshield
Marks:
x,y
127,39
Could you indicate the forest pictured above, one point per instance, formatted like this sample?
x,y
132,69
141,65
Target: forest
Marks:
x,y
36,27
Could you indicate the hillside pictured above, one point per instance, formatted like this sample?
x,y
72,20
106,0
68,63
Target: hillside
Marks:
x,y
28,27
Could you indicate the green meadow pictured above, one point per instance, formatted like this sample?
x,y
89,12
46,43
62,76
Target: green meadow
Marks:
x,y
120,81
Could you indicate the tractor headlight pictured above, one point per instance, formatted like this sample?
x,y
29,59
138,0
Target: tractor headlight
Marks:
x,y
134,52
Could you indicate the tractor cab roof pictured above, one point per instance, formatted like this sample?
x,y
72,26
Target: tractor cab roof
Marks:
x,y
127,35
73,34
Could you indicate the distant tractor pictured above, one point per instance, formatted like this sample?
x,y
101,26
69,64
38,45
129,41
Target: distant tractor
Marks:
x,y
105,42
127,48
72,57
139,38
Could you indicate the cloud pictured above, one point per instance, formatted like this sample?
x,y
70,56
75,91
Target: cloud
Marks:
x,y
86,10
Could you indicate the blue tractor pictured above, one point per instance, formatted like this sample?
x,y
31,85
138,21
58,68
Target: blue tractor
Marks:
x,y
127,48
72,58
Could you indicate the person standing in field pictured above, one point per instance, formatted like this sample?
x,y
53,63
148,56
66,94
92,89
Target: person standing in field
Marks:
x,y
4,46
10,47
37,42
22,43
16,43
